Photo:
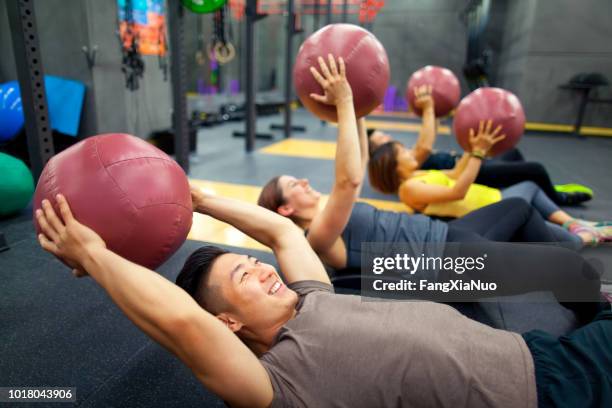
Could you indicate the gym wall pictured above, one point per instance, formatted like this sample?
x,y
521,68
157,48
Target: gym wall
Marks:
x,y
548,42
537,46
108,106
440,38
417,33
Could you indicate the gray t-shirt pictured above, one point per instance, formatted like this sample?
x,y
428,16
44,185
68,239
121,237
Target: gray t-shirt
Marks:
x,y
342,351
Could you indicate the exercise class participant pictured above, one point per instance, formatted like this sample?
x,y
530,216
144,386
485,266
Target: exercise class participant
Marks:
x,y
337,231
453,193
505,170
310,347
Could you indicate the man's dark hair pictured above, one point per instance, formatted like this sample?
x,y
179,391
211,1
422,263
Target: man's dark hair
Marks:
x,y
370,131
195,275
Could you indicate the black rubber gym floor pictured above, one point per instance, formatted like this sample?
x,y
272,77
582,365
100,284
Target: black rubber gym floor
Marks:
x,y
56,330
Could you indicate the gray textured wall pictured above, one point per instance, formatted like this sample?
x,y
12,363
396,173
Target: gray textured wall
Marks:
x,y
538,45
416,33
567,38
111,114
118,109
108,106
62,35
8,71
509,63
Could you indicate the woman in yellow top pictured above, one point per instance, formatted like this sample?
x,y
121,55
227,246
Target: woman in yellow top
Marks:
x,y
453,193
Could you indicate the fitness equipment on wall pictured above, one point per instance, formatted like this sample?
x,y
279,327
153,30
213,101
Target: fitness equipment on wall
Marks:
x,y
220,45
203,6
132,64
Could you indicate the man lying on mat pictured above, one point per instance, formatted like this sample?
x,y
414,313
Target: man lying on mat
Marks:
x,y
256,342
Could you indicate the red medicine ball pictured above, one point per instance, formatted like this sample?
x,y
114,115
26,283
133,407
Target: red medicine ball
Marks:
x,y
445,89
128,191
367,68
499,105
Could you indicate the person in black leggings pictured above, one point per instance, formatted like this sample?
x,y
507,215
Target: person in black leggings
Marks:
x,y
514,268
505,170
525,268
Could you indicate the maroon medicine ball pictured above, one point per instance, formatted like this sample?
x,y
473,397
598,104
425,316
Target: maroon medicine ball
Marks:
x,y
128,191
502,106
367,68
445,89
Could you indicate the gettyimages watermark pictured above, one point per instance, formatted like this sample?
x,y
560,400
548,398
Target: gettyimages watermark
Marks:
x,y
481,271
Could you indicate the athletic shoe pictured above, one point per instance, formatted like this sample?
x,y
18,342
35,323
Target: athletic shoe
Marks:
x,y
573,188
576,228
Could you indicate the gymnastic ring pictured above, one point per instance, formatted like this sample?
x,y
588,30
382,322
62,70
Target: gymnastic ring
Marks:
x,y
224,53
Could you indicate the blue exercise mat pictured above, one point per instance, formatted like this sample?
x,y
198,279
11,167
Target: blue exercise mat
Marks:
x,y
64,101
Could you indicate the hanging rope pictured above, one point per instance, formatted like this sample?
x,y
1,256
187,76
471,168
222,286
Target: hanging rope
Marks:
x,y
162,56
132,64
200,57
219,47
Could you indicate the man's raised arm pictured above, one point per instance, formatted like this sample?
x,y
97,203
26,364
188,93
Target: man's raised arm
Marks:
x,y
165,312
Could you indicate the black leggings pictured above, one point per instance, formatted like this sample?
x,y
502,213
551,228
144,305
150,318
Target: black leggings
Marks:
x,y
511,219
521,268
501,174
502,171
574,370
513,155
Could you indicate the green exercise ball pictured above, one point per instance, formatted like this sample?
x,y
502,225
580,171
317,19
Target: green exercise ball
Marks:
x,y
16,185
203,6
